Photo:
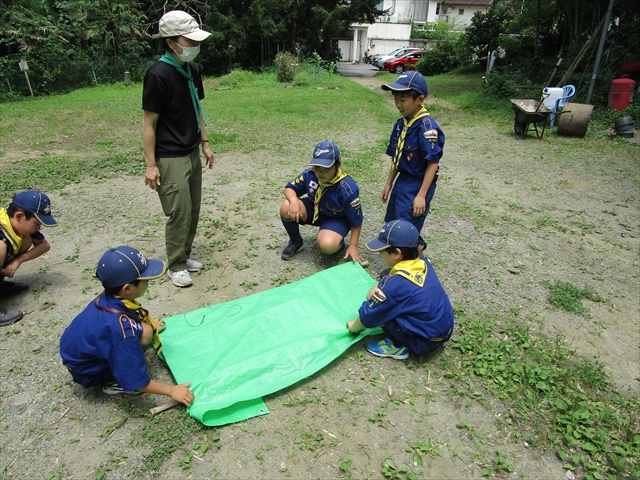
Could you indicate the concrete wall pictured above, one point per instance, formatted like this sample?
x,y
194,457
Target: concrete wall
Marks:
x,y
385,37
451,14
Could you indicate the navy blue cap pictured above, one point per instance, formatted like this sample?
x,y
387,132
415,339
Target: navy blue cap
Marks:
x,y
409,81
397,233
37,203
325,154
121,265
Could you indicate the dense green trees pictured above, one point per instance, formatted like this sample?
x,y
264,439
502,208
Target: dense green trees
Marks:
x,y
532,34
98,39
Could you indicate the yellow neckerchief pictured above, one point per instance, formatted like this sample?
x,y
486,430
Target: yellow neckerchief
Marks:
x,y
9,233
413,270
145,317
406,125
316,202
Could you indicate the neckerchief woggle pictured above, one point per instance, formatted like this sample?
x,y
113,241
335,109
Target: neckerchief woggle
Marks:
x,y
413,270
197,107
406,125
316,201
145,317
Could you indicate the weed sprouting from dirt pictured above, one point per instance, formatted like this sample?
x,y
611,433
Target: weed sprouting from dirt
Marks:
x,y
164,435
566,296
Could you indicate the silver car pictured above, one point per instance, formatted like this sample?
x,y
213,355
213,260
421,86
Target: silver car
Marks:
x,y
378,60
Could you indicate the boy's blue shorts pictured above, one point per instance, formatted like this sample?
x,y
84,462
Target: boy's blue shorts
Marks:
x,y
97,380
400,202
340,225
414,344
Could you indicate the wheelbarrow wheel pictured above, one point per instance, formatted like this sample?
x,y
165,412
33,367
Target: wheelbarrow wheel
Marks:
x,y
520,128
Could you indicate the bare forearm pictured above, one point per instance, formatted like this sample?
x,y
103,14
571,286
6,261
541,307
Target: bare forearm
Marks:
x,y
429,175
149,143
356,325
355,234
393,172
38,249
290,194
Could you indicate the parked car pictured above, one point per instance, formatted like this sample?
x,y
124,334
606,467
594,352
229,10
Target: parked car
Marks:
x,y
378,60
405,62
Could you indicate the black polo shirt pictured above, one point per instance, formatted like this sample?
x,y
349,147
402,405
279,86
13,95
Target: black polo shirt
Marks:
x,y
166,92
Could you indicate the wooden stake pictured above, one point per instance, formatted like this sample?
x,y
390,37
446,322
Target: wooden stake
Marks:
x,y
163,407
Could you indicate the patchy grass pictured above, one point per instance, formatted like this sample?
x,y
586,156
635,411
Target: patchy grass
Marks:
x,y
564,400
568,297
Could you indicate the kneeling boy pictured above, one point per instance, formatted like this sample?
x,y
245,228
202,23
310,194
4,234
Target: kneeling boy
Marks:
x,y
21,241
102,345
409,303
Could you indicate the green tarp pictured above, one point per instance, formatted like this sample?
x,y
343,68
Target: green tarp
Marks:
x,y
235,352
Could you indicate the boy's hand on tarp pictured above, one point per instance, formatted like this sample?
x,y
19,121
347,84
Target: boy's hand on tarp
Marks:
x,y
353,252
160,325
355,326
181,393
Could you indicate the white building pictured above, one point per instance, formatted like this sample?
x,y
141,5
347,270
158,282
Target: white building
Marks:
x,y
393,29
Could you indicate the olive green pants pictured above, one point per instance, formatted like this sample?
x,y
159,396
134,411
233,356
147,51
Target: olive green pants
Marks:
x,y
180,194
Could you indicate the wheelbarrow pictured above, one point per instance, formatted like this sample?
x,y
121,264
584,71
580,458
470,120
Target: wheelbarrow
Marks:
x,y
529,112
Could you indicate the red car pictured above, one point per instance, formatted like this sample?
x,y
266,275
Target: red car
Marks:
x,y
405,62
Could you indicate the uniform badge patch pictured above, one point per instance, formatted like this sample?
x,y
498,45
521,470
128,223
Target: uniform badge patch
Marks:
x,y
356,203
379,295
431,135
313,185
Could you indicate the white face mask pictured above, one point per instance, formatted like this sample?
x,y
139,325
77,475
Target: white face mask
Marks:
x,y
188,53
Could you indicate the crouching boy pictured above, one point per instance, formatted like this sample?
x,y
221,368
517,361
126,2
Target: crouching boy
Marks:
x,y
103,345
409,303
21,241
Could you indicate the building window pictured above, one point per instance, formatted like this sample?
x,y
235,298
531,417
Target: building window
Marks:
x,y
437,9
461,11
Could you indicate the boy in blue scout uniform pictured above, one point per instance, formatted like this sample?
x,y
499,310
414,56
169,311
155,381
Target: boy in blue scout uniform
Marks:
x,y
21,241
409,303
415,147
102,345
332,202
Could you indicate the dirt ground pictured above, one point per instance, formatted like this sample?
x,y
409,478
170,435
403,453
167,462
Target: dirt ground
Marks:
x,y
493,235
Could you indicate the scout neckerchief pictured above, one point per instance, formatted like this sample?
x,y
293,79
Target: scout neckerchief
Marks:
x,y
316,202
197,108
406,126
7,230
413,270
143,315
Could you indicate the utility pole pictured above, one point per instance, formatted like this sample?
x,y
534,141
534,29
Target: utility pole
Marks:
x,y
603,37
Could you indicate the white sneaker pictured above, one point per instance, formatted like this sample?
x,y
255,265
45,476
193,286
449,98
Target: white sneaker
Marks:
x,y
181,278
193,266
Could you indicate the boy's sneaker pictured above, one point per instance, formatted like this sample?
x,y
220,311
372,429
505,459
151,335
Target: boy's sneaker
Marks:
x,y
8,317
8,289
341,248
181,278
290,250
386,348
193,266
114,388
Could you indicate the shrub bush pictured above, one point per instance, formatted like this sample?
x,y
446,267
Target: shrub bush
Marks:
x,y
446,56
499,86
287,66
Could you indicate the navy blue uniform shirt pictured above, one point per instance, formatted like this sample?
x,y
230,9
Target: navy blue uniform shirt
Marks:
x,y
341,200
